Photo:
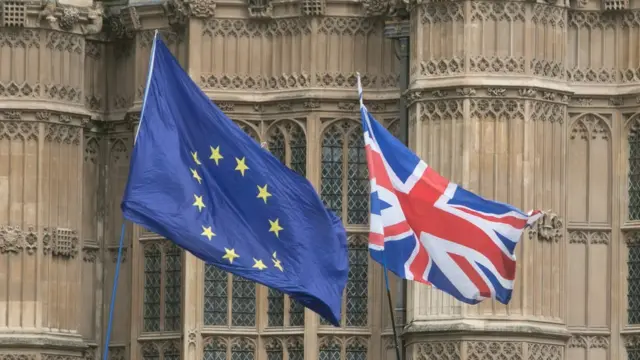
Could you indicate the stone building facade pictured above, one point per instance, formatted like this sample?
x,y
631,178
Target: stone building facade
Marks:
x,y
530,102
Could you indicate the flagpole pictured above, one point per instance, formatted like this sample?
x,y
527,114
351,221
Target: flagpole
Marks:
x,y
384,259
107,339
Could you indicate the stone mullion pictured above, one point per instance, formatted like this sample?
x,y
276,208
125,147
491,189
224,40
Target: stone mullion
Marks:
x,y
192,269
617,176
314,173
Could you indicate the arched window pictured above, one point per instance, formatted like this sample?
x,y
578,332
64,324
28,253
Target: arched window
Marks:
x,y
162,286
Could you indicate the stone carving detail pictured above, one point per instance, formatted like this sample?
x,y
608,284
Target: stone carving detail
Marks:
x,y
284,81
439,12
590,21
13,239
632,238
631,341
312,7
60,242
48,12
496,64
13,130
351,26
445,350
12,115
94,15
497,11
497,109
113,252
63,134
589,237
19,38
589,126
494,350
11,356
245,28
545,111
442,67
63,93
169,37
260,8
13,13
612,5
589,342
90,254
545,351
441,110
15,90
548,227
69,18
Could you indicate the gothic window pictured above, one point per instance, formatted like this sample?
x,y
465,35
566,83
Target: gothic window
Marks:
x,y
249,130
633,350
356,349
215,349
634,175
243,302
216,295
357,285
295,348
345,181
274,349
287,142
330,349
164,350
162,287
243,349
633,296
217,298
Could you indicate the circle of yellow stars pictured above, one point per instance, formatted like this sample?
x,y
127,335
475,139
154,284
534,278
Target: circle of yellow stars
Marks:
x,y
263,194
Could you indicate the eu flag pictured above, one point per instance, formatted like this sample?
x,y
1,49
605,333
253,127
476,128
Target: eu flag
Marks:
x,y
197,179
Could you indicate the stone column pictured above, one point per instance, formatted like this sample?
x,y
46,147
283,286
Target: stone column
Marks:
x,y
475,118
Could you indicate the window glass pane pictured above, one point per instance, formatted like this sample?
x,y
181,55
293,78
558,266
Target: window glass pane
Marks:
x,y
151,298
215,296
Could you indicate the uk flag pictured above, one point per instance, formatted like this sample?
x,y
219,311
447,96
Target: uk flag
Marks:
x,y
427,229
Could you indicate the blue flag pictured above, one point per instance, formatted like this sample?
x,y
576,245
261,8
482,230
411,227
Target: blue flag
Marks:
x,y
197,179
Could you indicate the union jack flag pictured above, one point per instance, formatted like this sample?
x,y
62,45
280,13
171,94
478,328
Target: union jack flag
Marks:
x,y
428,229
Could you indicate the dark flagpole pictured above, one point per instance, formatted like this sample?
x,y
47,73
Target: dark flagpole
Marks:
x,y
399,30
384,260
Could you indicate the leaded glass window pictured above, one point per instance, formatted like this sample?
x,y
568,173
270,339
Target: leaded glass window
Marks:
x,y
243,349
243,302
633,351
215,349
152,281
162,286
249,130
357,284
329,349
274,349
216,296
296,313
332,172
171,352
345,179
150,352
357,181
633,297
295,348
275,311
172,288
634,175
356,349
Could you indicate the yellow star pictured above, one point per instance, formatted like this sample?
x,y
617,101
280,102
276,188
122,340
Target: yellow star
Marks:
x,y
196,175
277,264
242,167
215,154
230,255
195,157
275,227
198,202
207,232
259,264
263,193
